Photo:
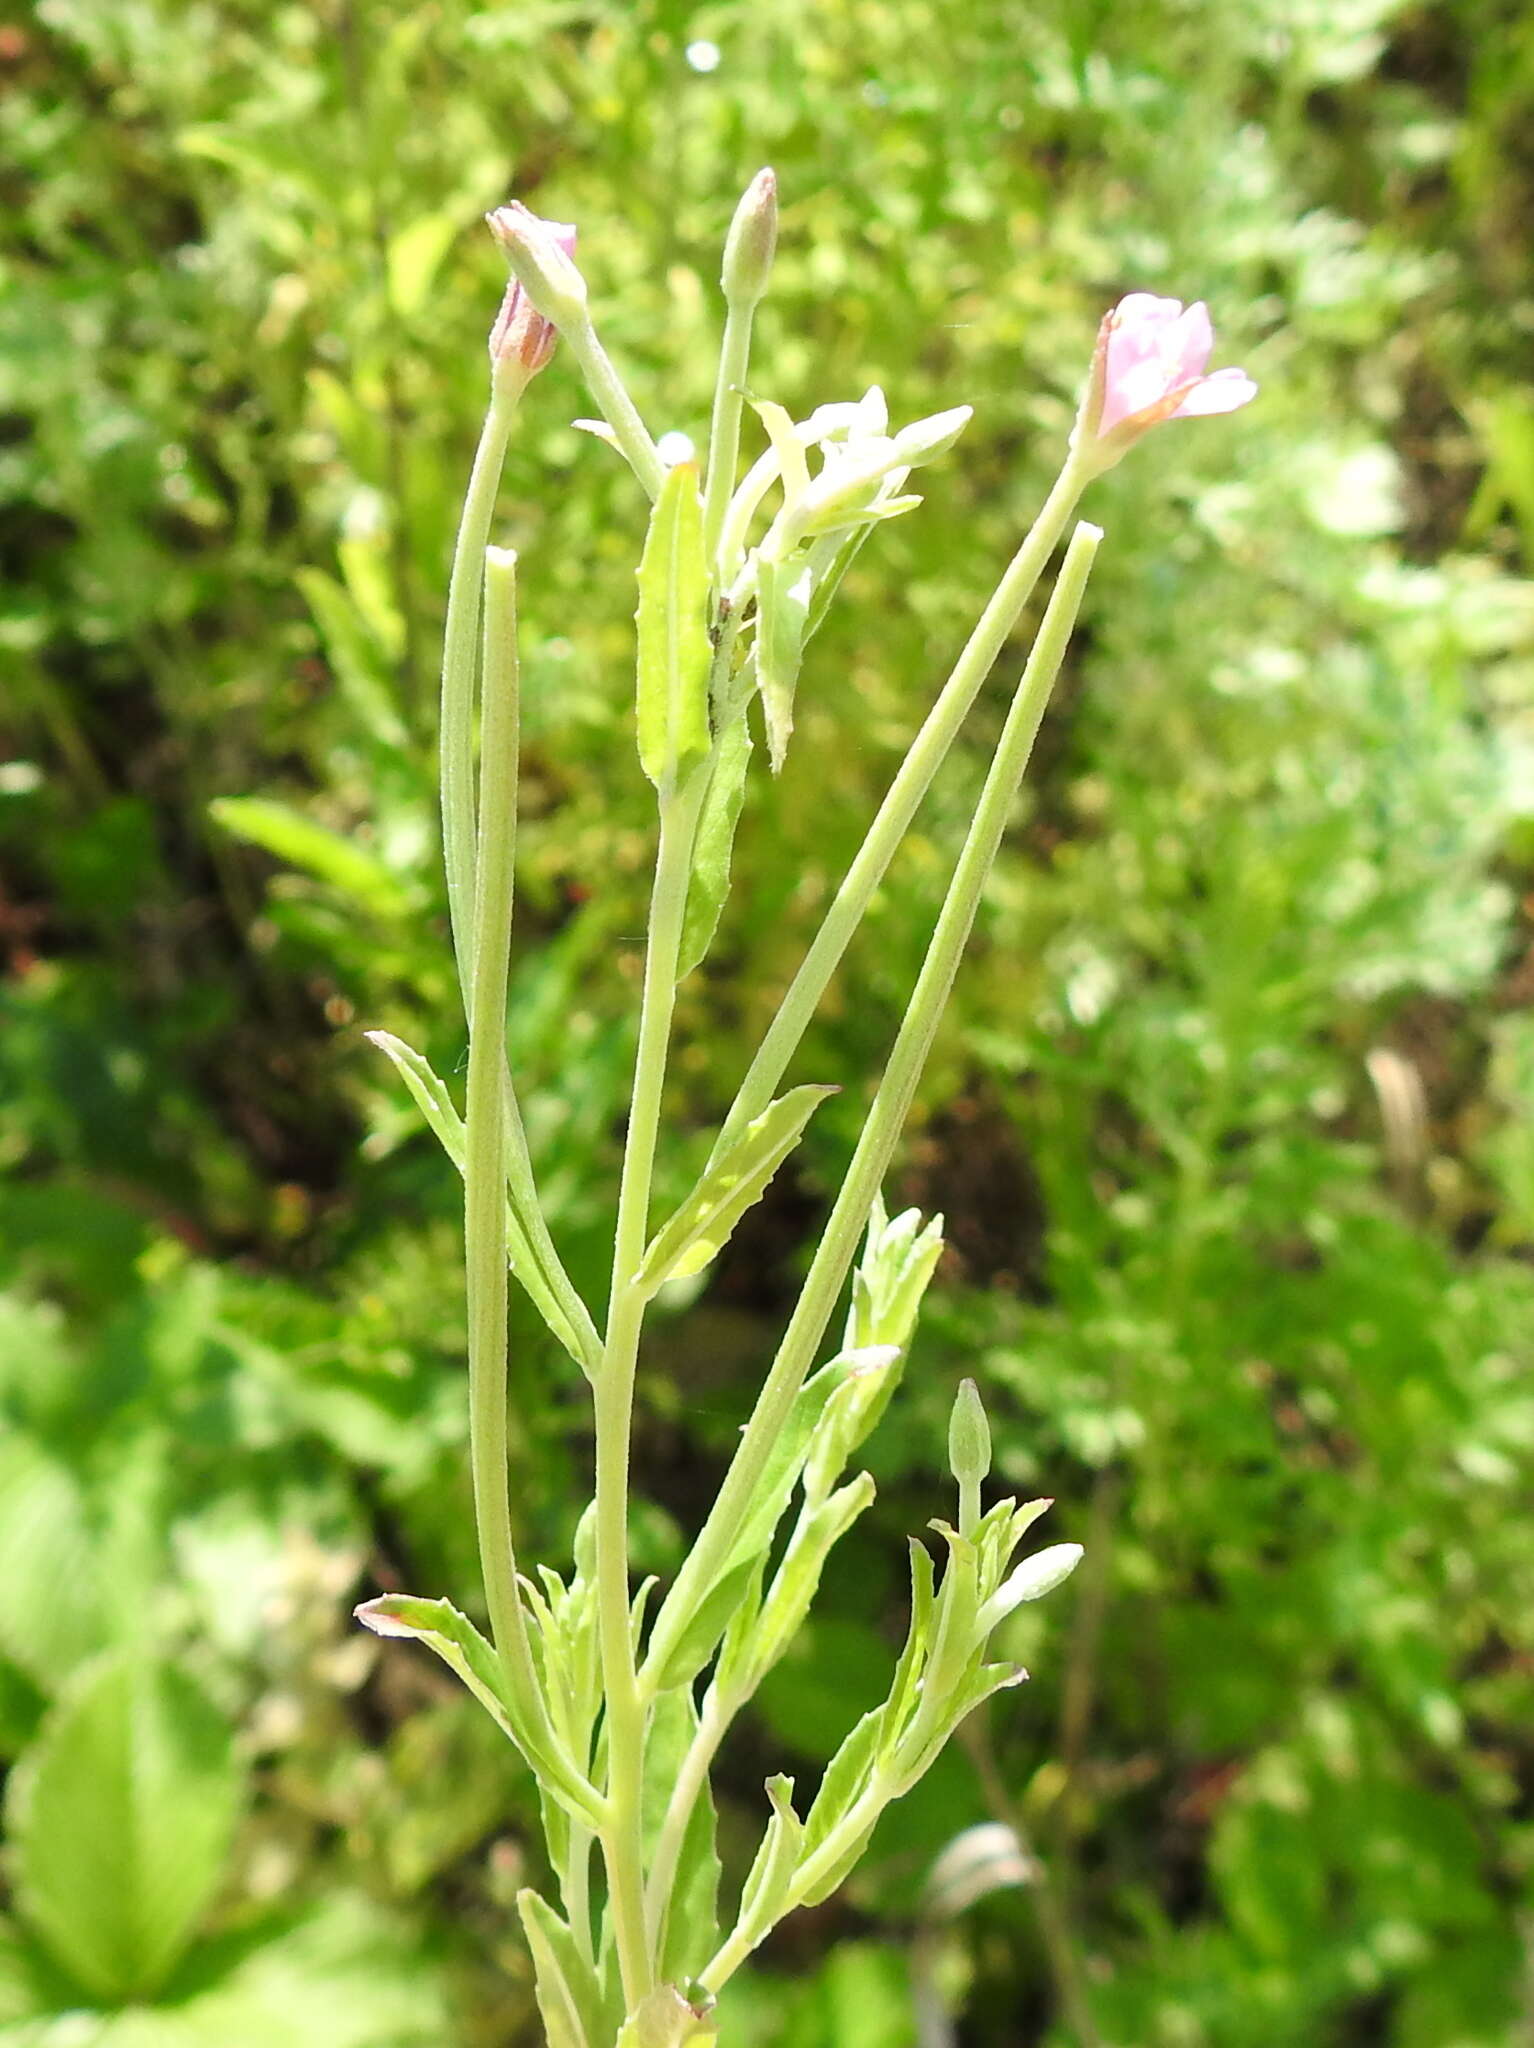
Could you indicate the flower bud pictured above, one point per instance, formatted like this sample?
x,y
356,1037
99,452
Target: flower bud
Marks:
x,y
541,253
925,440
752,242
1031,1580
522,339
969,1452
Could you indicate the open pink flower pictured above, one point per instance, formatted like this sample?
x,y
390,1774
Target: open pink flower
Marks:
x,y
1149,367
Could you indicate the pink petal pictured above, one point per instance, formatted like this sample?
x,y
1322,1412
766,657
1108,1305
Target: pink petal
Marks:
x,y
1131,388
1189,345
1138,310
1225,391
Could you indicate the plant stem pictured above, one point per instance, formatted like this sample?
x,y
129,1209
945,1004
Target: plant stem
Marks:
x,y
484,1133
881,1132
615,405
724,426
615,1386
927,753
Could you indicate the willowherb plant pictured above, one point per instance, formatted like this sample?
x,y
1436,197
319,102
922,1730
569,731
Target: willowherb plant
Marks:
x,y
620,1714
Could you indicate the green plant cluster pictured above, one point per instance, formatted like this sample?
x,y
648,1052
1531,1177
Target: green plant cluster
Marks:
x,y
1228,1120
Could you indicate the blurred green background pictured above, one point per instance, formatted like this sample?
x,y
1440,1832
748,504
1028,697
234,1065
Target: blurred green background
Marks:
x,y
1226,1119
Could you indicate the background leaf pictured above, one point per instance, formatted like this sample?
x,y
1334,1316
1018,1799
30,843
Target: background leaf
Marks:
x,y
122,1819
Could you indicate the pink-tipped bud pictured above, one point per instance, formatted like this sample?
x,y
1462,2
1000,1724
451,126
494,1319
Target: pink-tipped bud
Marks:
x,y
1149,366
522,339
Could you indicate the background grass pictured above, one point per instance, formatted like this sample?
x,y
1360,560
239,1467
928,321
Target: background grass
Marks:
x,y
1226,1118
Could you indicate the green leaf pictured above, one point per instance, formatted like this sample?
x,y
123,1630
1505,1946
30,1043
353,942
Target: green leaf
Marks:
x,y
780,1853
29,1986
830,559
903,1687
798,1577
431,1096
673,633
783,591
344,1976
442,1628
851,1415
710,880
50,1610
714,1613
691,1929
847,1777
122,1818
355,659
699,1229
331,858
569,1996
717,1605
977,1686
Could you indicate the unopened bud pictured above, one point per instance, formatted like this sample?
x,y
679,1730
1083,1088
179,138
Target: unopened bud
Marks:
x,y
969,1451
522,339
1032,1579
752,242
542,255
925,440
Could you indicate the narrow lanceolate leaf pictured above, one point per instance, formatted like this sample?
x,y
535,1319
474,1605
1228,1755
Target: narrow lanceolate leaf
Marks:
x,y
121,1820
766,1892
673,633
783,591
698,1230
710,880
431,1097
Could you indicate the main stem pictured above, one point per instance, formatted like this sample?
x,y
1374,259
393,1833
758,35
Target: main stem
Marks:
x,y
927,753
485,1128
881,1132
615,1389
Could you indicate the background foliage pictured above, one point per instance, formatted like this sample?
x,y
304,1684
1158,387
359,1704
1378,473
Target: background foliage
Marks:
x,y
1225,1120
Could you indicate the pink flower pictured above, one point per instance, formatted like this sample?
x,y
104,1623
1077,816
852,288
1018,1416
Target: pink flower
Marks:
x,y
1149,367
522,338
